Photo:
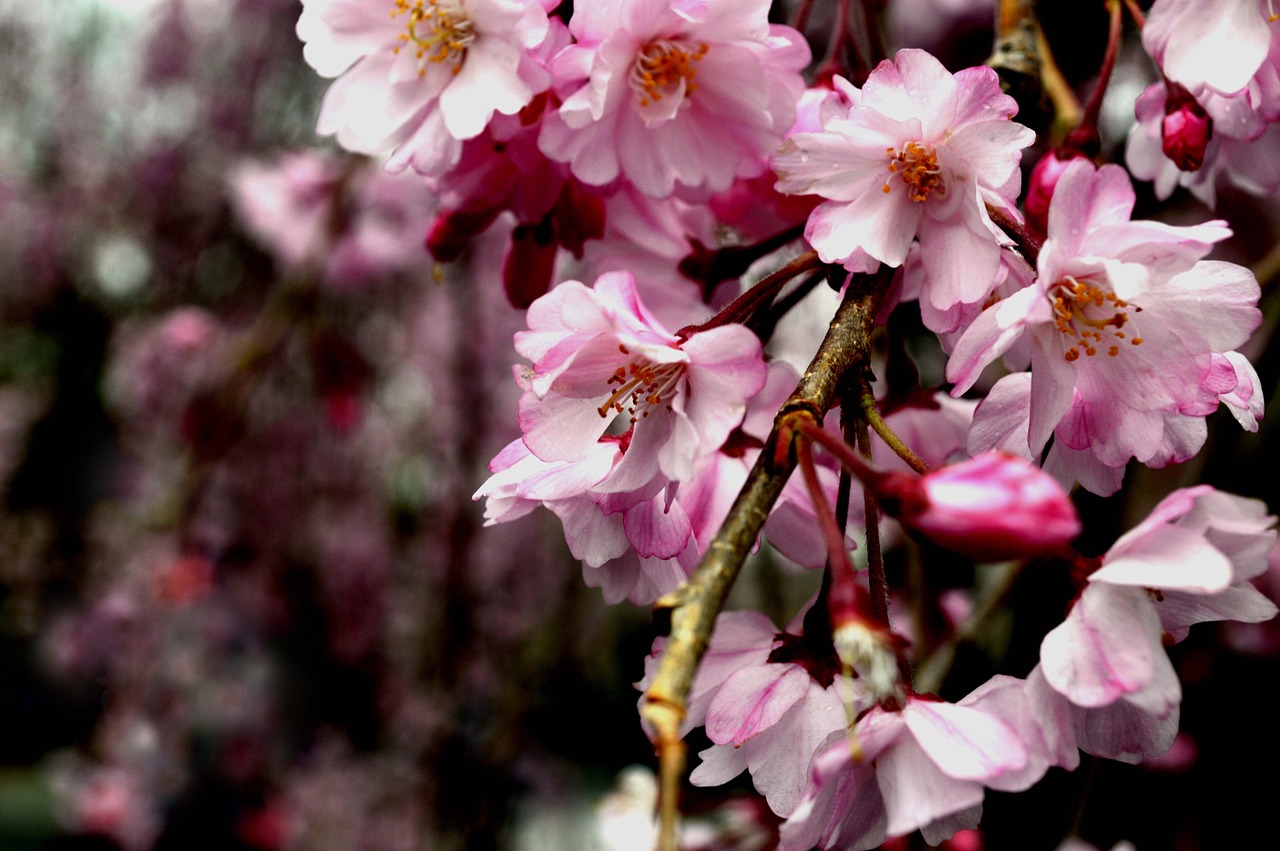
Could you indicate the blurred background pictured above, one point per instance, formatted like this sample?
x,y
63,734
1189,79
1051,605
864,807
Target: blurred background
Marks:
x,y
246,600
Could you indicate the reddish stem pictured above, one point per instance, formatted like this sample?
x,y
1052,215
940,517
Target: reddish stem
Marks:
x,y
846,600
1085,137
744,306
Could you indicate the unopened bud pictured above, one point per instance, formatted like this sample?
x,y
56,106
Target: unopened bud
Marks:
x,y
1040,186
991,508
1186,130
452,231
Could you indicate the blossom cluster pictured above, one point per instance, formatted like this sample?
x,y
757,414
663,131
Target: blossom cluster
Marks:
x,y
680,211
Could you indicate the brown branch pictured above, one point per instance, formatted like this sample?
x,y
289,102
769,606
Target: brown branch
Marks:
x,y
1016,59
695,604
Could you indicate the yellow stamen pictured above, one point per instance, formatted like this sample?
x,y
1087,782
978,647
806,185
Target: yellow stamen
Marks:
x,y
438,30
917,165
660,68
641,385
1091,316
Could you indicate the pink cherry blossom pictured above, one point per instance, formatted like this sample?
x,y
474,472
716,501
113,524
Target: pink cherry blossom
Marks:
x,y
660,94
1190,561
769,700
419,76
1218,43
769,717
598,354
636,546
920,155
1127,326
923,767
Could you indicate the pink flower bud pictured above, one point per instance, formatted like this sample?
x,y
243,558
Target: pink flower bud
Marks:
x,y
1186,129
993,507
453,229
1044,177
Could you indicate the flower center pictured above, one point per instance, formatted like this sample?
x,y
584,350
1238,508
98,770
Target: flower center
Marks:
x,y
639,385
1090,316
437,30
917,165
661,67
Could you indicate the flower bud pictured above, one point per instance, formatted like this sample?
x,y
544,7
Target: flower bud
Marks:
x,y
990,508
1186,129
1044,177
452,231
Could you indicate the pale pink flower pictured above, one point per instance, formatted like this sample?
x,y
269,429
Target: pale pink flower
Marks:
x,y
1217,43
636,546
639,579
419,76
991,508
740,639
1135,727
1126,325
1190,561
920,155
770,716
923,767
598,354
692,93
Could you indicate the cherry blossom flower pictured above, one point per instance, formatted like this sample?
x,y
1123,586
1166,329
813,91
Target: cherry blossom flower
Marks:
x,y
419,76
920,155
693,93
771,718
598,354
635,546
1190,561
1218,43
923,767
768,698
1125,322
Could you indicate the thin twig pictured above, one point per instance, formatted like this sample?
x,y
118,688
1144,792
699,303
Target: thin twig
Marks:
x,y
745,306
870,413
876,577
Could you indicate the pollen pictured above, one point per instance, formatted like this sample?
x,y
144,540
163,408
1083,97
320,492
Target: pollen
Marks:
x,y
662,66
917,166
639,386
1091,318
436,31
